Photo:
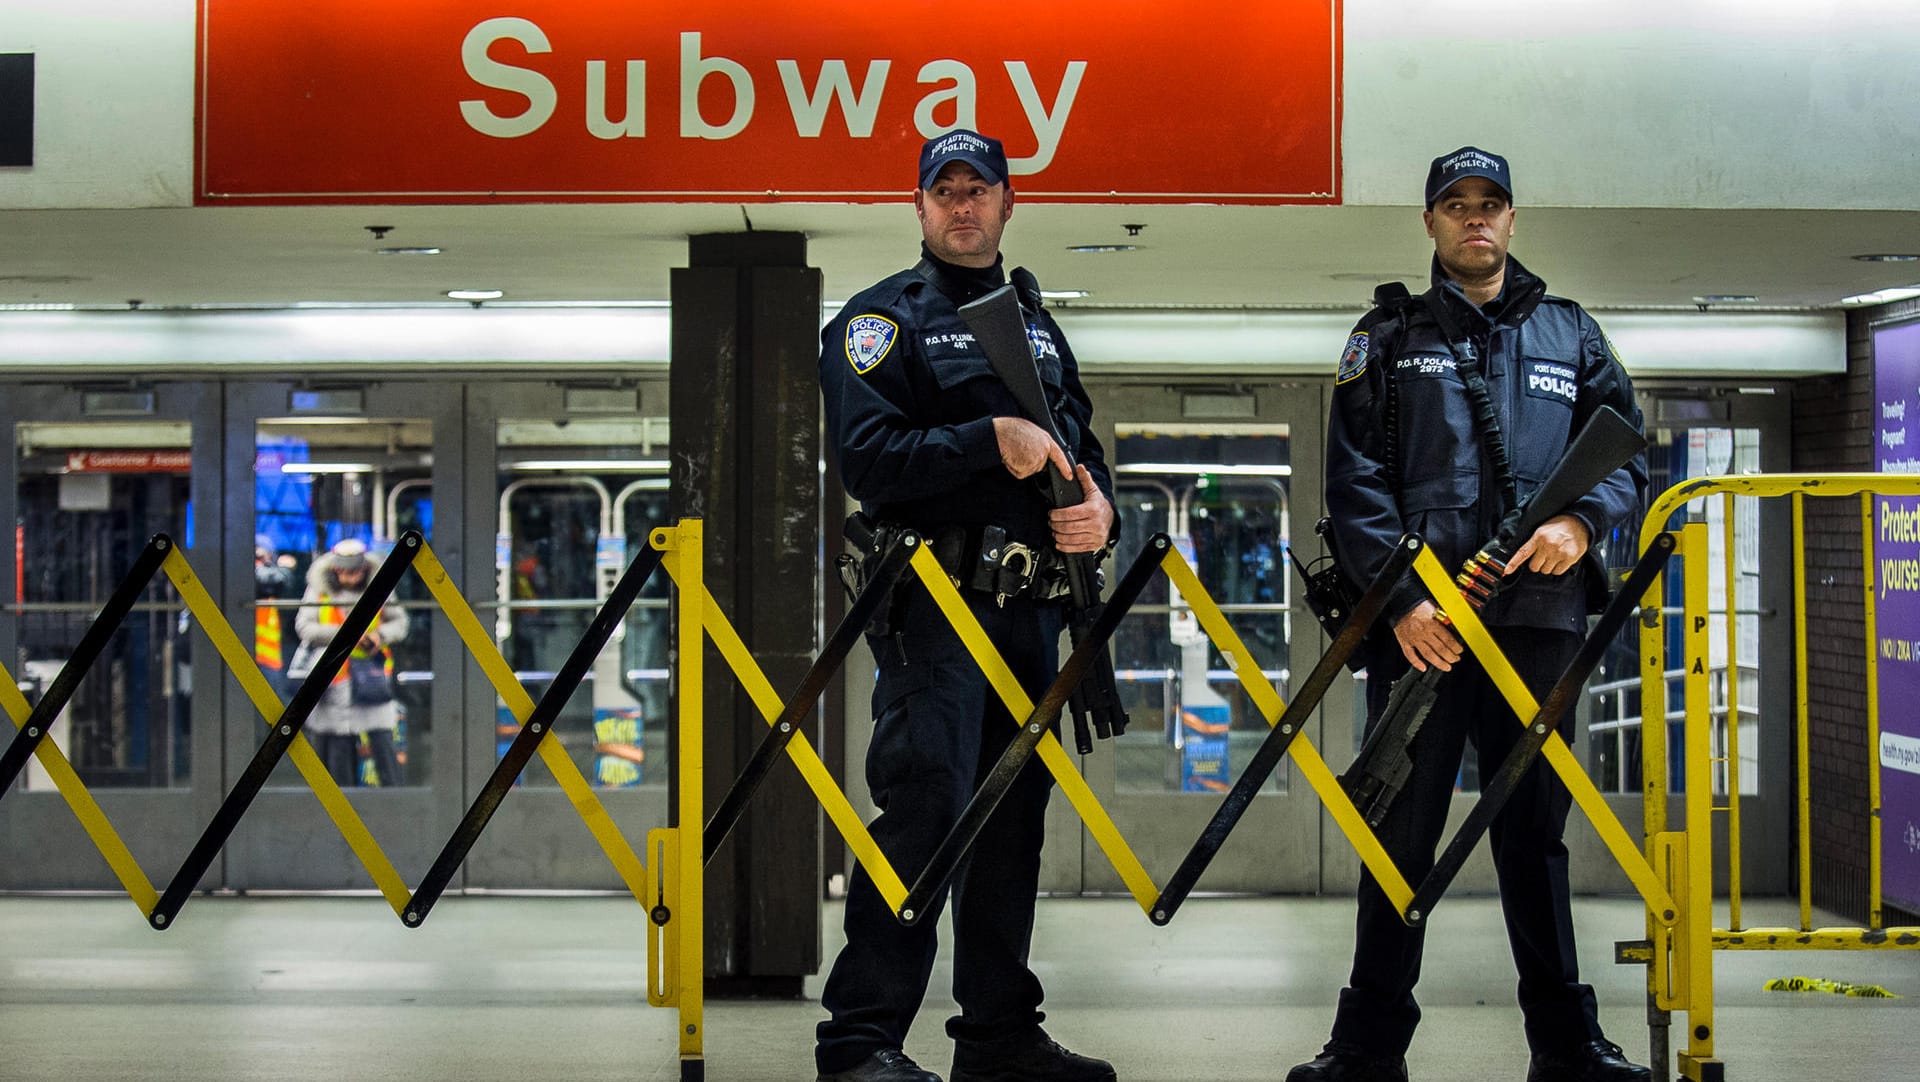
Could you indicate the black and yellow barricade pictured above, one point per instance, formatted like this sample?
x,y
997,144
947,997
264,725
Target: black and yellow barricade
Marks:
x,y
672,895
1679,956
1285,721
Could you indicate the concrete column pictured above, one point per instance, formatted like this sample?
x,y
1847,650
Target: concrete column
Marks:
x,y
745,408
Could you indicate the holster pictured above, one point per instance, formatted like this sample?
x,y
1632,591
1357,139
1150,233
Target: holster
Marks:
x,y
870,539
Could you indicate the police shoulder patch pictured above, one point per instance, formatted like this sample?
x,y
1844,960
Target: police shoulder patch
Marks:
x,y
1354,360
869,339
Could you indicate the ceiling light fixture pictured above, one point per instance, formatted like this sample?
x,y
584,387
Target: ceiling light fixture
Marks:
x,y
326,467
1726,298
610,465
406,251
1064,294
1888,257
1187,469
476,294
1103,247
1883,296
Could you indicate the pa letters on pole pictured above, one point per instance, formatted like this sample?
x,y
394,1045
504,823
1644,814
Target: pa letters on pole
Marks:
x,y
731,101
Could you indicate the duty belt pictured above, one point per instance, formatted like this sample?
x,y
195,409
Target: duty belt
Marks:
x,y
984,558
981,558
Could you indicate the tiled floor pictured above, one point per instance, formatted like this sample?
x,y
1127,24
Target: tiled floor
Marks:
x,y
287,989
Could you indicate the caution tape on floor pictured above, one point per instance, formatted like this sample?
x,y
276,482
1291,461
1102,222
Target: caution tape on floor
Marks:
x,y
1821,984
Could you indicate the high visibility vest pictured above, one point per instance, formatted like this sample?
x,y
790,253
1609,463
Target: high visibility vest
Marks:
x,y
333,616
266,636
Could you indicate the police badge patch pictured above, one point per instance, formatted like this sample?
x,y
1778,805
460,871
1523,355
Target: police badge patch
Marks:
x,y
869,338
1354,360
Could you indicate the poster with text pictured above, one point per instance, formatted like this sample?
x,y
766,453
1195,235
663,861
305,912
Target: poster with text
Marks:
x,y
1896,572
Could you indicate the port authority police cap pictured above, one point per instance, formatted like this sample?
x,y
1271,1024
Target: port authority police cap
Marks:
x,y
961,145
1449,169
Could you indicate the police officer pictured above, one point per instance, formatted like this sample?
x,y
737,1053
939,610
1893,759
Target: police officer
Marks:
x,y
1447,409
928,437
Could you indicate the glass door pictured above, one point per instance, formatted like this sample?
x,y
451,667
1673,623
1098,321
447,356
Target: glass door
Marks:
x,y
91,474
1232,475
1699,431
571,478
324,480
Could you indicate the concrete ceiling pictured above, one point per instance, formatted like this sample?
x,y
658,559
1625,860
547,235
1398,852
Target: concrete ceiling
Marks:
x,y
1262,257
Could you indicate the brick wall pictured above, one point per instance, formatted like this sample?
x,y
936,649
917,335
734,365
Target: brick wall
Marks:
x,y
1833,432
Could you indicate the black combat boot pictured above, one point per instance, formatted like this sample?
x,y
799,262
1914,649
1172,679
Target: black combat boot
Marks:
x,y
1036,1058
1595,1061
1341,1063
886,1065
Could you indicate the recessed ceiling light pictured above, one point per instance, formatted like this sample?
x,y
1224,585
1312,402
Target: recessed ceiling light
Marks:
x,y
611,465
1103,247
476,294
1064,294
1726,298
1883,296
406,251
298,468
1888,257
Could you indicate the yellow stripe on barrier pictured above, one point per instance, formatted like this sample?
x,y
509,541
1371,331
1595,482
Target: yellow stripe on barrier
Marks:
x,y
74,791
685,552
1819,939
239,660
828,792
1466,623
480,644
1019,704
1305,756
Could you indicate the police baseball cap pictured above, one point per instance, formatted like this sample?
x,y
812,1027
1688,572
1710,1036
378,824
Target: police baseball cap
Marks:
x,y
961,145
1449,169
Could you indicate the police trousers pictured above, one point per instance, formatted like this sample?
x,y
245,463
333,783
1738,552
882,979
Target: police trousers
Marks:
x,y
1377,1013
938,729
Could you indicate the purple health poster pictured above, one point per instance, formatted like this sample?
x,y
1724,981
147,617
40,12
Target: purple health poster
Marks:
x,y
1896,566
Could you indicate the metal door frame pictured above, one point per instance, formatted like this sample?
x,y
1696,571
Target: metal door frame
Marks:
x,y
1279,848
1766,406
286,842
535,839
41,843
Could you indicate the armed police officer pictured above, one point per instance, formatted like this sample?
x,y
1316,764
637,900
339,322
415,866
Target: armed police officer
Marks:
x,y
1448,408
928,438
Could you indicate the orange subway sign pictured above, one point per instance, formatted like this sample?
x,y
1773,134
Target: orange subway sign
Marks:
x,y
368,101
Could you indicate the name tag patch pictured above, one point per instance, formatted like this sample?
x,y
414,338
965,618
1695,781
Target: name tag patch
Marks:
x,y
1425,364
869,339
956,341
1550,379
1353,359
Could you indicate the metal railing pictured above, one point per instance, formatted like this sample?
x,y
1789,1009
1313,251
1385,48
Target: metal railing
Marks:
x,y
1679,955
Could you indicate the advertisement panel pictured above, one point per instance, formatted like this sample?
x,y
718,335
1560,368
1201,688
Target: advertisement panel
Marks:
x,y
1896,573
1102,101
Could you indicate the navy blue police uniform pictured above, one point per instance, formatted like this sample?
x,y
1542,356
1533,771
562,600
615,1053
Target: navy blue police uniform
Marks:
x,y
1405,454
910,401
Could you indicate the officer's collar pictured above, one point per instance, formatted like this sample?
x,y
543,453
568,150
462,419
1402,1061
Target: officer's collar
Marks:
x,y
962,284
1520,292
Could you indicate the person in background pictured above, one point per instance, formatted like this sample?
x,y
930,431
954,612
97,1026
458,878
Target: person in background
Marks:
x,y
354,706
271,582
